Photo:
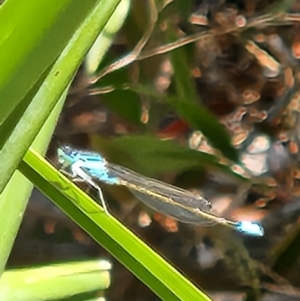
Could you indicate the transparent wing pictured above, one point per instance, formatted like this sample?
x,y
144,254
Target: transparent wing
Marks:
x,y
175,202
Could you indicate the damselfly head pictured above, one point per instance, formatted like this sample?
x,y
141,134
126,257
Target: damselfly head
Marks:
x,y
60,155
65,154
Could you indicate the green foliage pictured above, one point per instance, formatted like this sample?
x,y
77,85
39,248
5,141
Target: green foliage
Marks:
x,y
35,73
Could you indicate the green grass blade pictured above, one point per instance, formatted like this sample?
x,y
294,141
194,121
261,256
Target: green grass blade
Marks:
x,y
32,35
55,282
13,201
47,96
148,266
105,39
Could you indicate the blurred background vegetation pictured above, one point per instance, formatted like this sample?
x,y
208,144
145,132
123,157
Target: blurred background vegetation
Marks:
x,y
204,95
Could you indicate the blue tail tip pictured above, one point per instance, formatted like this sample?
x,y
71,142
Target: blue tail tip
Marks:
x,y
251,228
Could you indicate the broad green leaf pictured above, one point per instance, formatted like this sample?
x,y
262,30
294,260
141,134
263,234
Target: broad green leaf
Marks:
x,y
150,155
184,84
126,104
199,118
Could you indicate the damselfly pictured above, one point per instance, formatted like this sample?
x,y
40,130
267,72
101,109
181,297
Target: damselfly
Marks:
x,y
172,201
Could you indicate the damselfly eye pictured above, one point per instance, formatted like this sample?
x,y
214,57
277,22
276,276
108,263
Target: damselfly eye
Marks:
x,y
73,153
61,156
69,151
